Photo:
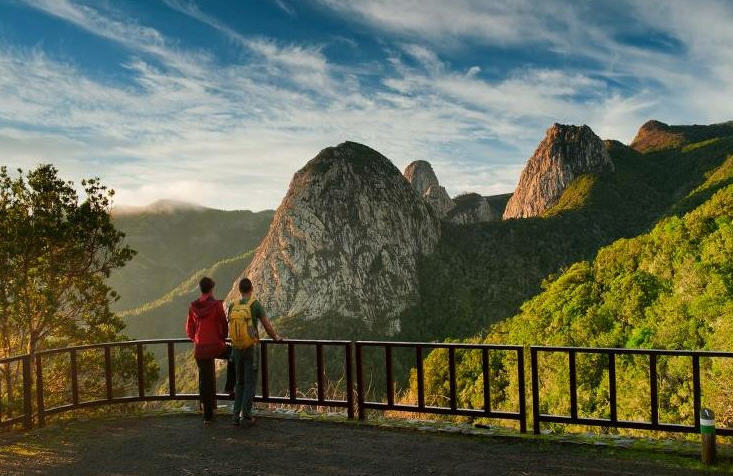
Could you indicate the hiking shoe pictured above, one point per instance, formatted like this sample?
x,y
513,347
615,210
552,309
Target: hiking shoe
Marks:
x,y
208,422
235,421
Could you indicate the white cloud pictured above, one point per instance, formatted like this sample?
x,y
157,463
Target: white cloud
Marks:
x,y
232,135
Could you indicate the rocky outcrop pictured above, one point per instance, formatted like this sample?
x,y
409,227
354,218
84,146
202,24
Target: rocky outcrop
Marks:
x,y
471,208
565,153
345,241
655,135
421,176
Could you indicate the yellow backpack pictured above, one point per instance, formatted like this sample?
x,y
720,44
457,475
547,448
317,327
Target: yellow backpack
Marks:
x,y
242,328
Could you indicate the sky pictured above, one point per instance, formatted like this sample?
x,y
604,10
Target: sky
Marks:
x,y
219,102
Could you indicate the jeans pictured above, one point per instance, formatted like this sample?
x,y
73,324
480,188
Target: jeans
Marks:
x,y
245,368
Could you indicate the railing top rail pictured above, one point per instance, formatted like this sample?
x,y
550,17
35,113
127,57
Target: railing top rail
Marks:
x,y
442,345
621,350
180,340
15,358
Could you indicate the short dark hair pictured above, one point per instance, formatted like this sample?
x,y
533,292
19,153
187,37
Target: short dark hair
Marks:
x,y
206,284
245,286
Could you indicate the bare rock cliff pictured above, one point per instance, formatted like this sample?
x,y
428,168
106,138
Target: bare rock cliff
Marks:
x,y
471,208
345,241
565,153
421,176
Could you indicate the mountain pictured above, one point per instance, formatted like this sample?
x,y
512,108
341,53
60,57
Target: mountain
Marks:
x,y
345,243
565,153
421,176
472,208
670,288
462,210
173,240
656,136
482,273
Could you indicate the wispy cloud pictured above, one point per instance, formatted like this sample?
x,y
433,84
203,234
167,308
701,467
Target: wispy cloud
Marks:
x,y
230,134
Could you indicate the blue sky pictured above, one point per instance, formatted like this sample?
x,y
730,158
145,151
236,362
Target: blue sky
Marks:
x,y
219,102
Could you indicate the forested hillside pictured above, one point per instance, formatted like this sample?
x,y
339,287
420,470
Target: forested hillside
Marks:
x,y
669,288
175,241
482,273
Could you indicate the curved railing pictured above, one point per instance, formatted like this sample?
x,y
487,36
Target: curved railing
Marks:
x,y
356,401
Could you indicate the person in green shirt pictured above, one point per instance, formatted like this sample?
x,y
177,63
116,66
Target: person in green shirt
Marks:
x,y
245,359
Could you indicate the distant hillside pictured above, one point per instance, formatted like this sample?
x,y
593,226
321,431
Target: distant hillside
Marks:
x,y
669,288
173,240
165,316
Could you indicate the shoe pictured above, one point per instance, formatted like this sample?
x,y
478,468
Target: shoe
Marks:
x,y
235,421
208,422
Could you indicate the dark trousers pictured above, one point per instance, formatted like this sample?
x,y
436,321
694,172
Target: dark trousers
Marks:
x,y
245,363
207,381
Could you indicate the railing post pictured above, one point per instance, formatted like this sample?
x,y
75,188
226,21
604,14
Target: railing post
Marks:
x,y
359,382
486,377
27,393
390,381
452,378
140,372
573,385
653,388
291,372
264,370
696,391
349,381
108,371
39,392
320,373
535,391
171,370
74,378
420,377
522,396
612,386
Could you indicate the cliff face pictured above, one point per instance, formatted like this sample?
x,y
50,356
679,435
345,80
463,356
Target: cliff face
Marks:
x,y
345,240
565,153
421,176
471,208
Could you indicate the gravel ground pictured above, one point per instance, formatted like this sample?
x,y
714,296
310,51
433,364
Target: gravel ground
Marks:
x,y
181,444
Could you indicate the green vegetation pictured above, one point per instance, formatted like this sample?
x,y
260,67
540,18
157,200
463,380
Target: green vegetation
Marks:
x,y
56,253
669,288
173,245
481,274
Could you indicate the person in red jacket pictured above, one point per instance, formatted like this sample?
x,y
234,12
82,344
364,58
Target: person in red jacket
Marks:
x,y
207,327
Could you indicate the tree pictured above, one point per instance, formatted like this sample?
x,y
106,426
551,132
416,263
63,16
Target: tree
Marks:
x,y
56,252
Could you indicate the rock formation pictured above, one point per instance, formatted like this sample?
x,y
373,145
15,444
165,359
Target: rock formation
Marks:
x,y
345,241
565,153
421,176
471,208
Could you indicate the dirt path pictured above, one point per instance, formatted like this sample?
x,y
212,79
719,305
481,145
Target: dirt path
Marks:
x,y
180,444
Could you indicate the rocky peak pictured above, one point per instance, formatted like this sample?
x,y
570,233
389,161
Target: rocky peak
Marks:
x,y
345,241
421,176
566,152
471,208
655,135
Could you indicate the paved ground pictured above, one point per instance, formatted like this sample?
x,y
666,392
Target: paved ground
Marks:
x,y
181,444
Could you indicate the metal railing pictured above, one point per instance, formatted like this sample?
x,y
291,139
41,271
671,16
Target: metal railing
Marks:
x,y
452,409
264,396
356,401
26,418
613,420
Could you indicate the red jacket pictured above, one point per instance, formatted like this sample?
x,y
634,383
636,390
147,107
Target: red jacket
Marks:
x,y
207,327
